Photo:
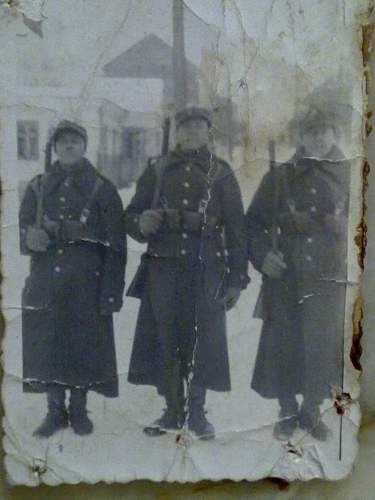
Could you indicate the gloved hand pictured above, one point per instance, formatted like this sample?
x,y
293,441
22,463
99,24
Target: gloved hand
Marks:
x,y
172,219
52,227
274,265
150,222
37,240
193,221
72,230
231,297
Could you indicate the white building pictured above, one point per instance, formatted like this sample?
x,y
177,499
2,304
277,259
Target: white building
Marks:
x,y
119,142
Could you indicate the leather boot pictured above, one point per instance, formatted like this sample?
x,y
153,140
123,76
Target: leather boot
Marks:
x,y
168,421
173,416
197,420
80,422
288,423
57,416
310,420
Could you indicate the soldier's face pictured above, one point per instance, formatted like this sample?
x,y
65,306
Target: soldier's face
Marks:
x,y
319,141
70,148
193,134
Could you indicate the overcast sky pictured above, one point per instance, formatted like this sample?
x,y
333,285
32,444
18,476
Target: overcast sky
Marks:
x,y
296,43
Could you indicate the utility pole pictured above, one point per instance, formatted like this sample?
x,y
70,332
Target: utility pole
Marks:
x,y
179,61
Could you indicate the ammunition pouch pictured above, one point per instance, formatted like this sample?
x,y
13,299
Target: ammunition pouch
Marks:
x,y
189,221
77,232
72,231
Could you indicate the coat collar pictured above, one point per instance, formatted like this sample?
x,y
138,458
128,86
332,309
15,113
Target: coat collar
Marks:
x,y
201,157
80,175
302,164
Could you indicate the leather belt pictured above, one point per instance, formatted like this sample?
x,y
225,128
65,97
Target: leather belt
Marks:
x,y
189,221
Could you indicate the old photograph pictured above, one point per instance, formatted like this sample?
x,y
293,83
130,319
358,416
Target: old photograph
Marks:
x,y
182,186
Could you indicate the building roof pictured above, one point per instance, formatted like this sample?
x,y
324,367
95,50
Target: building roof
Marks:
x,y
151,57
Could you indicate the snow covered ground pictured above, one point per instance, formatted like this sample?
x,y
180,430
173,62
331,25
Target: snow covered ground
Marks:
x,y
118,450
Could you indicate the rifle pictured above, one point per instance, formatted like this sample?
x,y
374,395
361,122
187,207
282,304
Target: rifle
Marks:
x,y
165,143
48,156
137,286
276,195
166,129
259,307
37,186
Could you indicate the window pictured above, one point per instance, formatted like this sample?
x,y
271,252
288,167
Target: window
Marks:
x,y
28,140
134,144
104,139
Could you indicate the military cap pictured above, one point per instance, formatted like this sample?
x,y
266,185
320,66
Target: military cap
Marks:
x,y
193,113
313,117
68,126
328,105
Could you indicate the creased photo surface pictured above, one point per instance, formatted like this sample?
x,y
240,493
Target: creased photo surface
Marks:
x,y
182,188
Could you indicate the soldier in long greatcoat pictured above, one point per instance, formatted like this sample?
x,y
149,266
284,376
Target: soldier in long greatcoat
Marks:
x,y
71,225
302,302
188,209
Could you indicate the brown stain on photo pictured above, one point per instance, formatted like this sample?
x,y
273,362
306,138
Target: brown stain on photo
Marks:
x,y
145,489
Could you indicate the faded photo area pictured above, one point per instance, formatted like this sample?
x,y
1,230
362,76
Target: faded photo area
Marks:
x,y
182,185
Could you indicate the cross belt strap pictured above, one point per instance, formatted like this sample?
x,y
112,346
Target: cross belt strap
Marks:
x,y
70,234
87,209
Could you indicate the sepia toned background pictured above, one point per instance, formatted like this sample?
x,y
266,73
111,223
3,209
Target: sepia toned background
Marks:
x,y
359,486
137,137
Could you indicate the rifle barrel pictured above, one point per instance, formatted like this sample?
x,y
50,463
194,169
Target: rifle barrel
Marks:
x,y
166,128
276,195
48,156
271,153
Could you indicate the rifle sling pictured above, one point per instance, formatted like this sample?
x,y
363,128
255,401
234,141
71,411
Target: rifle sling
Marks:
x,y
37,187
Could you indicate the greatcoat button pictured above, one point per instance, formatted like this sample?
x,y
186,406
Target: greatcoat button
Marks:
x,y
186,184
62,199
188,168
183,251
313,209
57,269
309,240
111,300
185,202
308,258
313,190
60,251
184,235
